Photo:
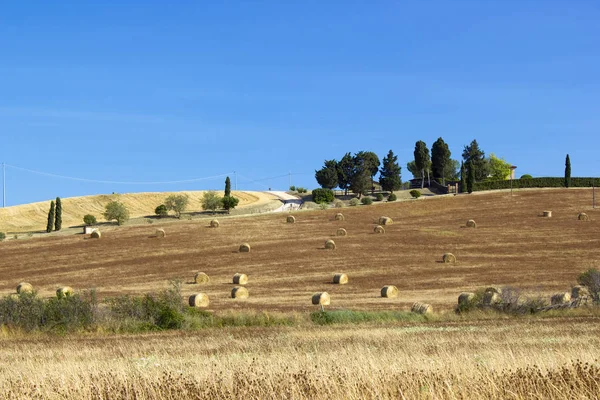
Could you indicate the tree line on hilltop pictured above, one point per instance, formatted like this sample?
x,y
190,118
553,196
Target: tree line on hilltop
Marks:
x,y
356,173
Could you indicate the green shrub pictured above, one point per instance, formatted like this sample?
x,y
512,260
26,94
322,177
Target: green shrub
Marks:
x,y
591,279
89,219
292,188
392,197
535,183
161,211
379,197
353,317
322,195
323,206
367,201
301,190
117,211
2,236
415,193
526,176
354,202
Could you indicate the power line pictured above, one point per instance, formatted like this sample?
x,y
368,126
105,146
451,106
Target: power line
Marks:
x,y
116,182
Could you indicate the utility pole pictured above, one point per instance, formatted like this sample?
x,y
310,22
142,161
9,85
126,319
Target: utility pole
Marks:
x,y
3,185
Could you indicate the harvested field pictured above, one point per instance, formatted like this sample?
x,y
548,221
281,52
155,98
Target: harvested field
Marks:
x,y
512,246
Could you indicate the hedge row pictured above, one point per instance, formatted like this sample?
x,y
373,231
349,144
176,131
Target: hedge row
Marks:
x,y
535,183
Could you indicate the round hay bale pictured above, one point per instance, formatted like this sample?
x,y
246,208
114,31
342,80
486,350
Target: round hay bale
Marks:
x,y
96,234
547,214
340,279
379,229
449,258
385,221
341,232
330,245
64,291
239,292
321,298
244,248
471,223
291,219
493,289
490,298
24,287
465,298
579,291
214,223
201,277
160,233
583,217
240,279
389,291
560,298
339,217
421,308
199,300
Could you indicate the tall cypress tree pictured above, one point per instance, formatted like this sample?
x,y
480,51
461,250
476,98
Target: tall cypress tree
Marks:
x,y
58,215
51,213
567,172
470,177
227,187
463,178
389,175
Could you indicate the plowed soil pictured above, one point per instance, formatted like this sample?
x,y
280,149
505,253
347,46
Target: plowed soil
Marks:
x,y
512,245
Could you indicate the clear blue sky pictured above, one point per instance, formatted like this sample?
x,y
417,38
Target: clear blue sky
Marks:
x,y
163,91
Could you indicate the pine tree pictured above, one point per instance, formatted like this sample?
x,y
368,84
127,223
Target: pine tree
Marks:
x,y
440,159
474,155
58,215
463,178
470,177
51,213
567,172
389,175
422,159
227,187
327,177
345,168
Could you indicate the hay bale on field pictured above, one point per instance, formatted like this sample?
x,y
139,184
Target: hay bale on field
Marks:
x,y
547,214
379,229
240,279
321,298
199,300
493,289
160,233
214,223
449,258
239,292
339,217
201,277
341,232
389,291
24,287
330,245
471,223
421,308
579,291
64,291
244,248
96,234
291,219
583,217
385,221
465,298
490,298
340,279
560,298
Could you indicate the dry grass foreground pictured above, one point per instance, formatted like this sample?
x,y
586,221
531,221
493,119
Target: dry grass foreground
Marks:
x,y
512,245
34,216
522,358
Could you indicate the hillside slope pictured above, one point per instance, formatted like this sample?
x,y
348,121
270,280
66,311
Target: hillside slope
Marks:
x,y
33,217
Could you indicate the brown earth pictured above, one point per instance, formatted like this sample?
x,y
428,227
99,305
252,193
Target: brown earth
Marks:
x,y
512,245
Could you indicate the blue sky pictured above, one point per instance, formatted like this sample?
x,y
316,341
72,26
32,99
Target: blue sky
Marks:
x,y
146,91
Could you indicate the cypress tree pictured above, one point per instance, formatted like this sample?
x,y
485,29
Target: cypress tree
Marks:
x,y
389,175
463,178
50,217
227,187
470,177
567,172
58,215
